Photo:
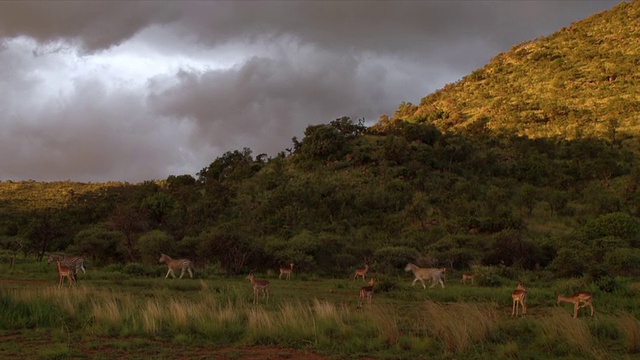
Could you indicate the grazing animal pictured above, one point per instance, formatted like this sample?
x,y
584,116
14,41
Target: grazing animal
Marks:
x,y
73,262
584,297
468,276
183,264
286,271
367,292
519,296
64,272
436,275
362,272
259,286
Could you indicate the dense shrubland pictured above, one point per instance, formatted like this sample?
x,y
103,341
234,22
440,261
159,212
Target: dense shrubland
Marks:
x,y
347,194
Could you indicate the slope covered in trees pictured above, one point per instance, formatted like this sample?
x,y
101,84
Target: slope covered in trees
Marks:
x,y
581,81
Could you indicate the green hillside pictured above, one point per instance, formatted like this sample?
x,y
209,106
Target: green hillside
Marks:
x,y
582,81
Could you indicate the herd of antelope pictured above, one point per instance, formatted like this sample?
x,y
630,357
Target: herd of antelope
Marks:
x,y
68,267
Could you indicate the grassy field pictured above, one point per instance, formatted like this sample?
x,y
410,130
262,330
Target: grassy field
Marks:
x,y
111,314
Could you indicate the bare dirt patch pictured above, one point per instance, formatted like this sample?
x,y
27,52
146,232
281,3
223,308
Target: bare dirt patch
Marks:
x,y
25,281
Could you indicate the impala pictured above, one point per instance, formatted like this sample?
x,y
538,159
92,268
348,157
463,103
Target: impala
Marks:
x,y
436,275
259,286
584,297
519,296
467,276
362,272
182,264
367,292
64,272
286,271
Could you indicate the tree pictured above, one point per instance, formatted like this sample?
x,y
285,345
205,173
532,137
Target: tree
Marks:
x,y
158,206
617,224
43,229
130,223
99,243
228,245
347,127
300,249
153,243
323,142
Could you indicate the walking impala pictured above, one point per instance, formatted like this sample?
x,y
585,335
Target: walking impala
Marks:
x,y
468,276
519,296
182,264
286,271
259,286
584,297
362,272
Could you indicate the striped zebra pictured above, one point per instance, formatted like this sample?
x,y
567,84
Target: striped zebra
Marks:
x,y
436,275
183,264
74,263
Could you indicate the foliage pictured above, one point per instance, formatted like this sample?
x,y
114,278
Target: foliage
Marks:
x,y
571,84
153,243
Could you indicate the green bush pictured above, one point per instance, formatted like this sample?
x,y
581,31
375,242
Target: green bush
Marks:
x,y
487,276
608,284
135,269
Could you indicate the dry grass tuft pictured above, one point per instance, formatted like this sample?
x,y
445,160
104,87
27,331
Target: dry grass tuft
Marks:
x,y
561,326
631,327
459,326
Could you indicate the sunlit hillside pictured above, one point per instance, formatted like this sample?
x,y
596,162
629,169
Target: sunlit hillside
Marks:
x,y
582,81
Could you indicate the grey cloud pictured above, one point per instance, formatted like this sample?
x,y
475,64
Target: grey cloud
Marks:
x,y
94,25
105,135
266,101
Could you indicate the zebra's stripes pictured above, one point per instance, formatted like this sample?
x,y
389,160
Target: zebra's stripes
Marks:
x,y
74,263
182,264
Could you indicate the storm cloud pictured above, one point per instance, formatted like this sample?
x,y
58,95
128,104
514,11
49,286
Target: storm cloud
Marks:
x,y
133,91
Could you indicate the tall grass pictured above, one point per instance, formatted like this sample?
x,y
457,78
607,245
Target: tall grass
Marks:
x,y
388,328
458,326
575,334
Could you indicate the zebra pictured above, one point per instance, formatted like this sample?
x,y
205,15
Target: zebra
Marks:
x,y
435,274
74,263
183,264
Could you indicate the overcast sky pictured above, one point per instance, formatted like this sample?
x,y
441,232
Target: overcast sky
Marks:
x,y
131,91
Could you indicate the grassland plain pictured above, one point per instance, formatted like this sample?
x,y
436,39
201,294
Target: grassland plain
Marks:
x,y
110,315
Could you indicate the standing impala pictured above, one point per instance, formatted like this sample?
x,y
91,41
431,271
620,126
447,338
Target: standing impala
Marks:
x,y
286,271
584,297
367,292
519,296
362,272
259,286
64,272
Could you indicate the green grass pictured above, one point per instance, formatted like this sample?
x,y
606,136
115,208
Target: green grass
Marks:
x,y
321,315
